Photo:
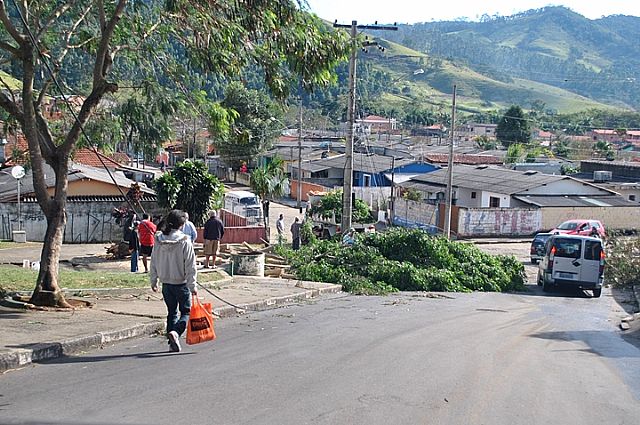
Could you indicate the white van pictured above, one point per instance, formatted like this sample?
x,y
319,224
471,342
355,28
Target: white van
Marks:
x,y
243,203
572,260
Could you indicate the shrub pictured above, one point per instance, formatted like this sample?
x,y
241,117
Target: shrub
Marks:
x,y
406,260
623,260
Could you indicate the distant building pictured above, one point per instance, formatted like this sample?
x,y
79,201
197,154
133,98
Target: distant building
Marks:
x,y
374,124
471,130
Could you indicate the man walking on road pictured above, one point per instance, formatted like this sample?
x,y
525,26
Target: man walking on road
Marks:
x,y
146,232
173,262
280,228
213,232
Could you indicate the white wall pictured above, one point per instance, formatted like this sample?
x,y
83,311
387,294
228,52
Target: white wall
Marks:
x,y
498,221
86,221
505,200
465,200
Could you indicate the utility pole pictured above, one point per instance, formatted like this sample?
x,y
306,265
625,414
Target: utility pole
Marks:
x,y
347,205
194,138
393,184
449,198
299,203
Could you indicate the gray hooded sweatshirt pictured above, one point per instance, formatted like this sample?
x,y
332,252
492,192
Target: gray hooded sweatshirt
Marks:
x,y
173,260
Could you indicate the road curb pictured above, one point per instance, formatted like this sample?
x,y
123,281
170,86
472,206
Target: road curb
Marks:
x,y
21,357
17,358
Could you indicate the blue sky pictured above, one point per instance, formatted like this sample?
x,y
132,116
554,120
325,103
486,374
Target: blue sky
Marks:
x,y
411,11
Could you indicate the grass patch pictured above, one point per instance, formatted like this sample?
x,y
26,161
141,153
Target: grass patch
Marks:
x,y
15,278
11,244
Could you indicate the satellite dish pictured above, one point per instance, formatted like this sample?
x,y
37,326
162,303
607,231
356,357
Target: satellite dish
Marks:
x,y
17,172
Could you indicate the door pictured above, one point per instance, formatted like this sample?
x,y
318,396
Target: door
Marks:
x,y
567,258
590,270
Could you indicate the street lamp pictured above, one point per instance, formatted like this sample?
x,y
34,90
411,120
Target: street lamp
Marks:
x,y
18,173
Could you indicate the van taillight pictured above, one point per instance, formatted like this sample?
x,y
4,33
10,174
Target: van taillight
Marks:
x,y
552,255
602,256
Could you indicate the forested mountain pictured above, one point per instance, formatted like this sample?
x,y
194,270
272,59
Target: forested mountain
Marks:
x,y
597,59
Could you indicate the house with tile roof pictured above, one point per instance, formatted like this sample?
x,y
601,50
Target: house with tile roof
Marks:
x,y
520,202
369,170
92,197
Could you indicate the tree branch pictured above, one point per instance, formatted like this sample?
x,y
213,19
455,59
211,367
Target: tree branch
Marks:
x,y
103,60
9,48
47,147
59,11
143,38
11,106
31,131
11,29
86,111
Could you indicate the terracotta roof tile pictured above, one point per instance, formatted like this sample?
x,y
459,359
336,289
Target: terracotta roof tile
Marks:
x,y
88,157
466,159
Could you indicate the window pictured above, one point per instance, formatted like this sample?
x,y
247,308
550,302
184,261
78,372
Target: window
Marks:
x,y
494,202
592,250
473,195
632,198
568,248
367,180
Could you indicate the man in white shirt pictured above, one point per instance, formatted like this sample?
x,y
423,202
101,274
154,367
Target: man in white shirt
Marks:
x,y
280,228
189,229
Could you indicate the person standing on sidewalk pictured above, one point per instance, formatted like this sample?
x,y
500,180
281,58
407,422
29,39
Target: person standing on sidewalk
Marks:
x,y
173,263
146,233
213,232
295,234
189,229
280,228
134,246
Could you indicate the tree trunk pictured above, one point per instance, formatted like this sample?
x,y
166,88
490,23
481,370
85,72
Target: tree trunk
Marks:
x,y
47,291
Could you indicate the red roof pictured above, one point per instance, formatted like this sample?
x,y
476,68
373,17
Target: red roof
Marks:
x,y
18,145
605,132
88,157
466,159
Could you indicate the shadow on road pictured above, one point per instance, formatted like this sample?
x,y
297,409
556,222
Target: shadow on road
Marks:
x,y
597,341
557,292
625,298
95,359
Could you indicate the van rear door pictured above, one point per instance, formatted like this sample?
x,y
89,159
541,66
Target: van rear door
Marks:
x,y
590,270
567,258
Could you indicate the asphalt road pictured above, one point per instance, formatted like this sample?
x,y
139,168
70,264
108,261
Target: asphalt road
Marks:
x,y
403,359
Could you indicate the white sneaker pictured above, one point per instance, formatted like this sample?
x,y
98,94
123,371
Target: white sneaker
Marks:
x,y
174,342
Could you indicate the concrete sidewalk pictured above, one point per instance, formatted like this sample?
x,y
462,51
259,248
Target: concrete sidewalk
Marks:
x,y
28,335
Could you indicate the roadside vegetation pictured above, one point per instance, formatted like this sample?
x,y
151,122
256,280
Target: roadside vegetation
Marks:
x,y
405,260
623,260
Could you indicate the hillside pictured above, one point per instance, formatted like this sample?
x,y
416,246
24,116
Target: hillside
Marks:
x,y
416,76
548,52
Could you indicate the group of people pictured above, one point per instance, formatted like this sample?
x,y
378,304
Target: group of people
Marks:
x,y
169,247
142,238
296,234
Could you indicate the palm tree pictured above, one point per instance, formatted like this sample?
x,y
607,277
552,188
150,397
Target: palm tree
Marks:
x,y
268,182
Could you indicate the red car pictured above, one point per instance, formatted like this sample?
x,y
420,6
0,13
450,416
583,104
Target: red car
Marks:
x,y
580,227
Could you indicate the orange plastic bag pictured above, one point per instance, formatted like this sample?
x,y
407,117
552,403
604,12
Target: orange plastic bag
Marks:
x,y
200,326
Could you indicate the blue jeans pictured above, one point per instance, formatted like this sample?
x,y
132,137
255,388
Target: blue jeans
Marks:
x,y
134,260
177,297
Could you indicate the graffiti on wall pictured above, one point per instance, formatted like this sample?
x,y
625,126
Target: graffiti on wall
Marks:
x,y
499,221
